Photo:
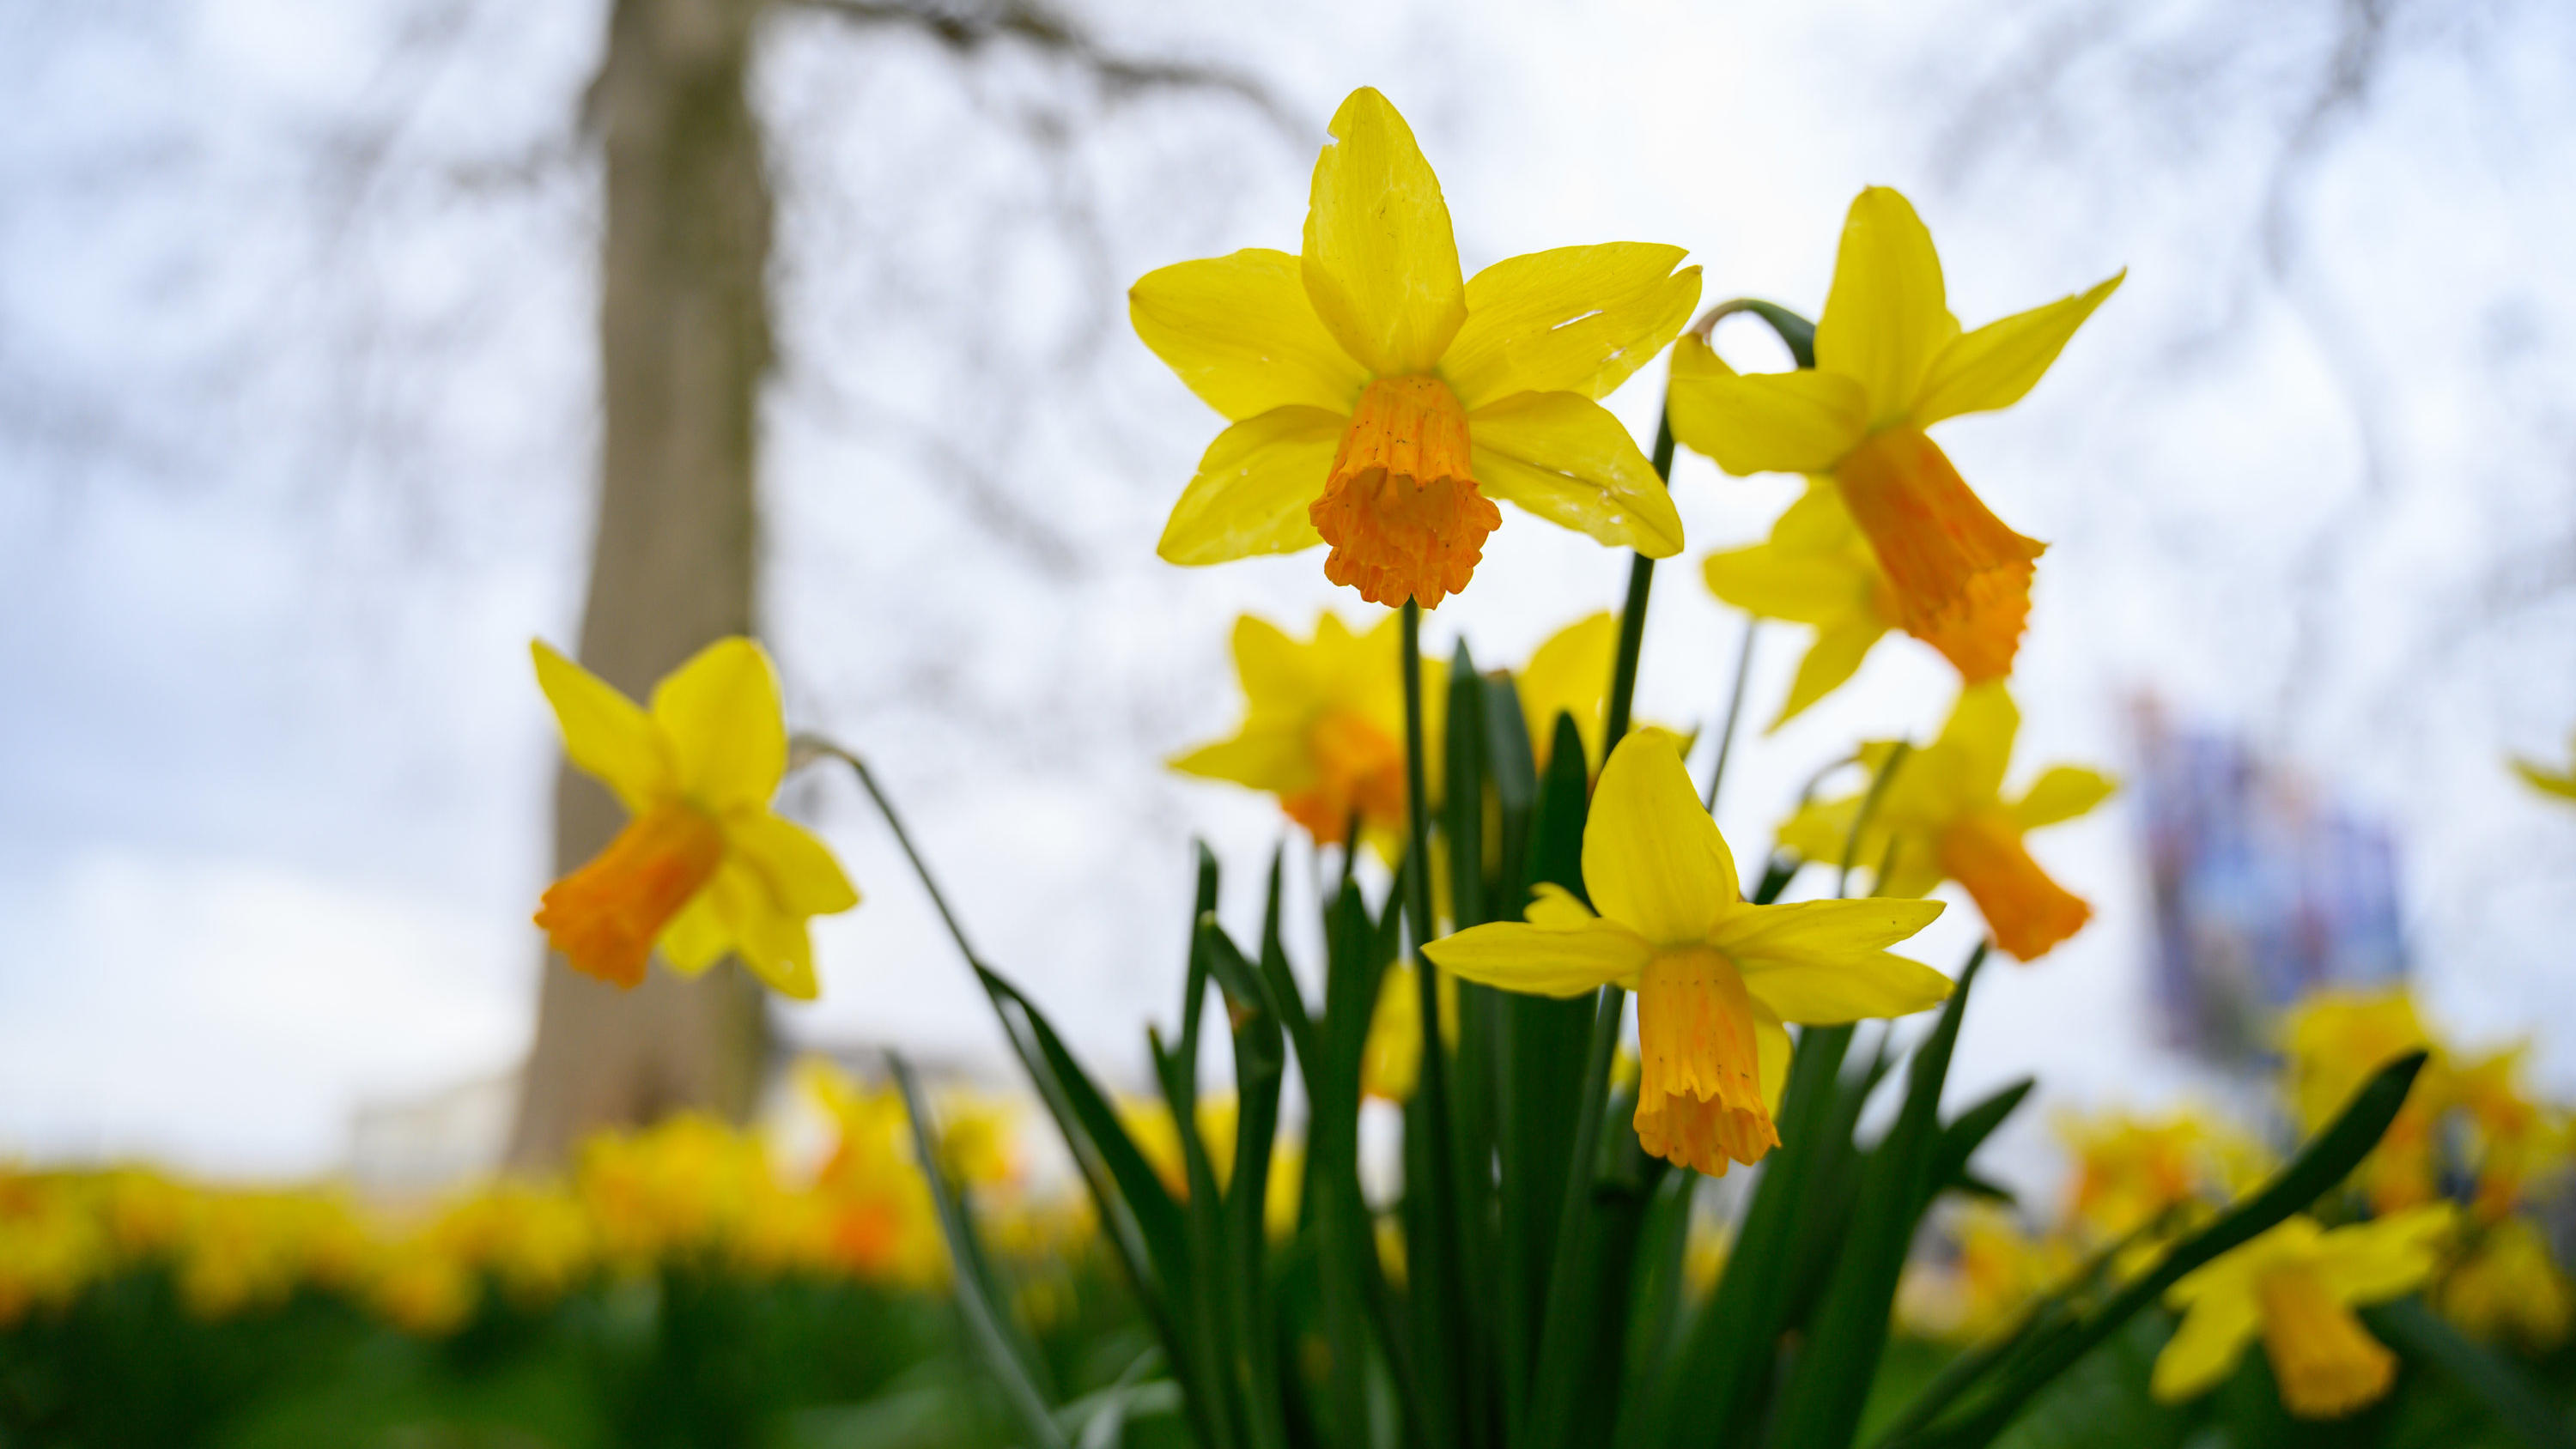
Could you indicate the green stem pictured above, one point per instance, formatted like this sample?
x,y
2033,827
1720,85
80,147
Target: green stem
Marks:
x,y
1734,707
1868,809
810,744
1632,614
1796,333
1434,1263
1559,1356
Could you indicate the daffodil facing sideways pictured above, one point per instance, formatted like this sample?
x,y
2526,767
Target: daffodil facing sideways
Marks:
x,y
1323,726
1892,361
1717,978
1817,569
1942,816
1378,402
704,867
2296,1287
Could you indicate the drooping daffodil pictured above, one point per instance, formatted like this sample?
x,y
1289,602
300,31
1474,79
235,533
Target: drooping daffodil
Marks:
x,y
1717,978
1378,402
1817,569
2296,1287
1892,361
1942,816
1323,726
705,866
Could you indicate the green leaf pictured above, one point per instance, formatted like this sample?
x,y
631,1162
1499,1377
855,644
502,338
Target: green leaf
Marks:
x,y
2498,1384
1259,1070
997,1337
1830,1386
2327,1159
1965,1133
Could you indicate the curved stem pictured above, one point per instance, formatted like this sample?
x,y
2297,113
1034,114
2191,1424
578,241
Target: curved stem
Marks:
x,y
809,746
1795,332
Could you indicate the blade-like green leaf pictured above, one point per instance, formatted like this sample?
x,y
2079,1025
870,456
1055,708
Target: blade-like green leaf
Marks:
x,y
2497,1383
1822,1406
1259,1069
1965,1133
997,1337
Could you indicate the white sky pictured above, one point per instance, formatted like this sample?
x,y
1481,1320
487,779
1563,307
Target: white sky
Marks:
x,y
295,431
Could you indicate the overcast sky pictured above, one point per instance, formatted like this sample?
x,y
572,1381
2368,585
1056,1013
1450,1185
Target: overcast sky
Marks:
x,y
295,439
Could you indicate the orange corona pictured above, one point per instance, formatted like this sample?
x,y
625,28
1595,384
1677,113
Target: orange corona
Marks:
x,y
1961,578
1699,1095
2326,1365
1359,774
1401,508
2028,912
605,916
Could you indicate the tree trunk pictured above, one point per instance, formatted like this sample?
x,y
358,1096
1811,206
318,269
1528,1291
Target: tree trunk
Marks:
x,y
684,342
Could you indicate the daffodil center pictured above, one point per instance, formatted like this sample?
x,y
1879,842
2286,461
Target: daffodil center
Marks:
x,y
1699,1089
1400,507
605,916
2327,1365
1359,771
2028,912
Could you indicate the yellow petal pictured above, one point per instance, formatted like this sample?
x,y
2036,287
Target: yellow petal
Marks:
x,y
728,732
1282,678
771,941
2205,1348
1994,366
799,869
1541,960
2062,793
1758,938
1265,758
1770,582
1239,331
1554,908
696,938
2546,780
1886,316
606,735
1566,459
1652,859
1830,662
1254,485
2381,1259
1849,989
1976,745
1576,319
1766,422
1570,674
1381,265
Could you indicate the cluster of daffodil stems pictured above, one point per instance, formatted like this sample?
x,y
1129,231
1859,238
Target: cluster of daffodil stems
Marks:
x,y
1549,861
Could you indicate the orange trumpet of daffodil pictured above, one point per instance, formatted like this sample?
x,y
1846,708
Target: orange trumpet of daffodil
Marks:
x,y
1717,978
2296,1287
1817,569
1378,402
704,866
1323,726
1943,817
1892,361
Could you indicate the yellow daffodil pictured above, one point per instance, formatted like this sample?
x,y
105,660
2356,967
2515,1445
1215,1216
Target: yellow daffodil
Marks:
x,y
1323,726
2509,1287
1716,977
1892,361
2131,1170
2547,779
1815,569
1996,1268
1943,817
2511,1138
2296,1286
2335,1040
705,866
1569,674
1378,403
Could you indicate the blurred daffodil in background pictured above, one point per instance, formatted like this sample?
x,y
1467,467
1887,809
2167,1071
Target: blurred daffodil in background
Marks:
x,y
1717,978
1323,726
705,866
1378,402
1942,816
2332,1042
1892,361
2296,1287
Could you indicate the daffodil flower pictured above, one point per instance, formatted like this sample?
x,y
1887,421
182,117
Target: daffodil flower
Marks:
x,y
704,866
1815,569
2548,779
2509,1286
1892,361
1378,403
2296,1286
1943,817
1323,726
2337,1039
2132,1171
2512,1140
1717,978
